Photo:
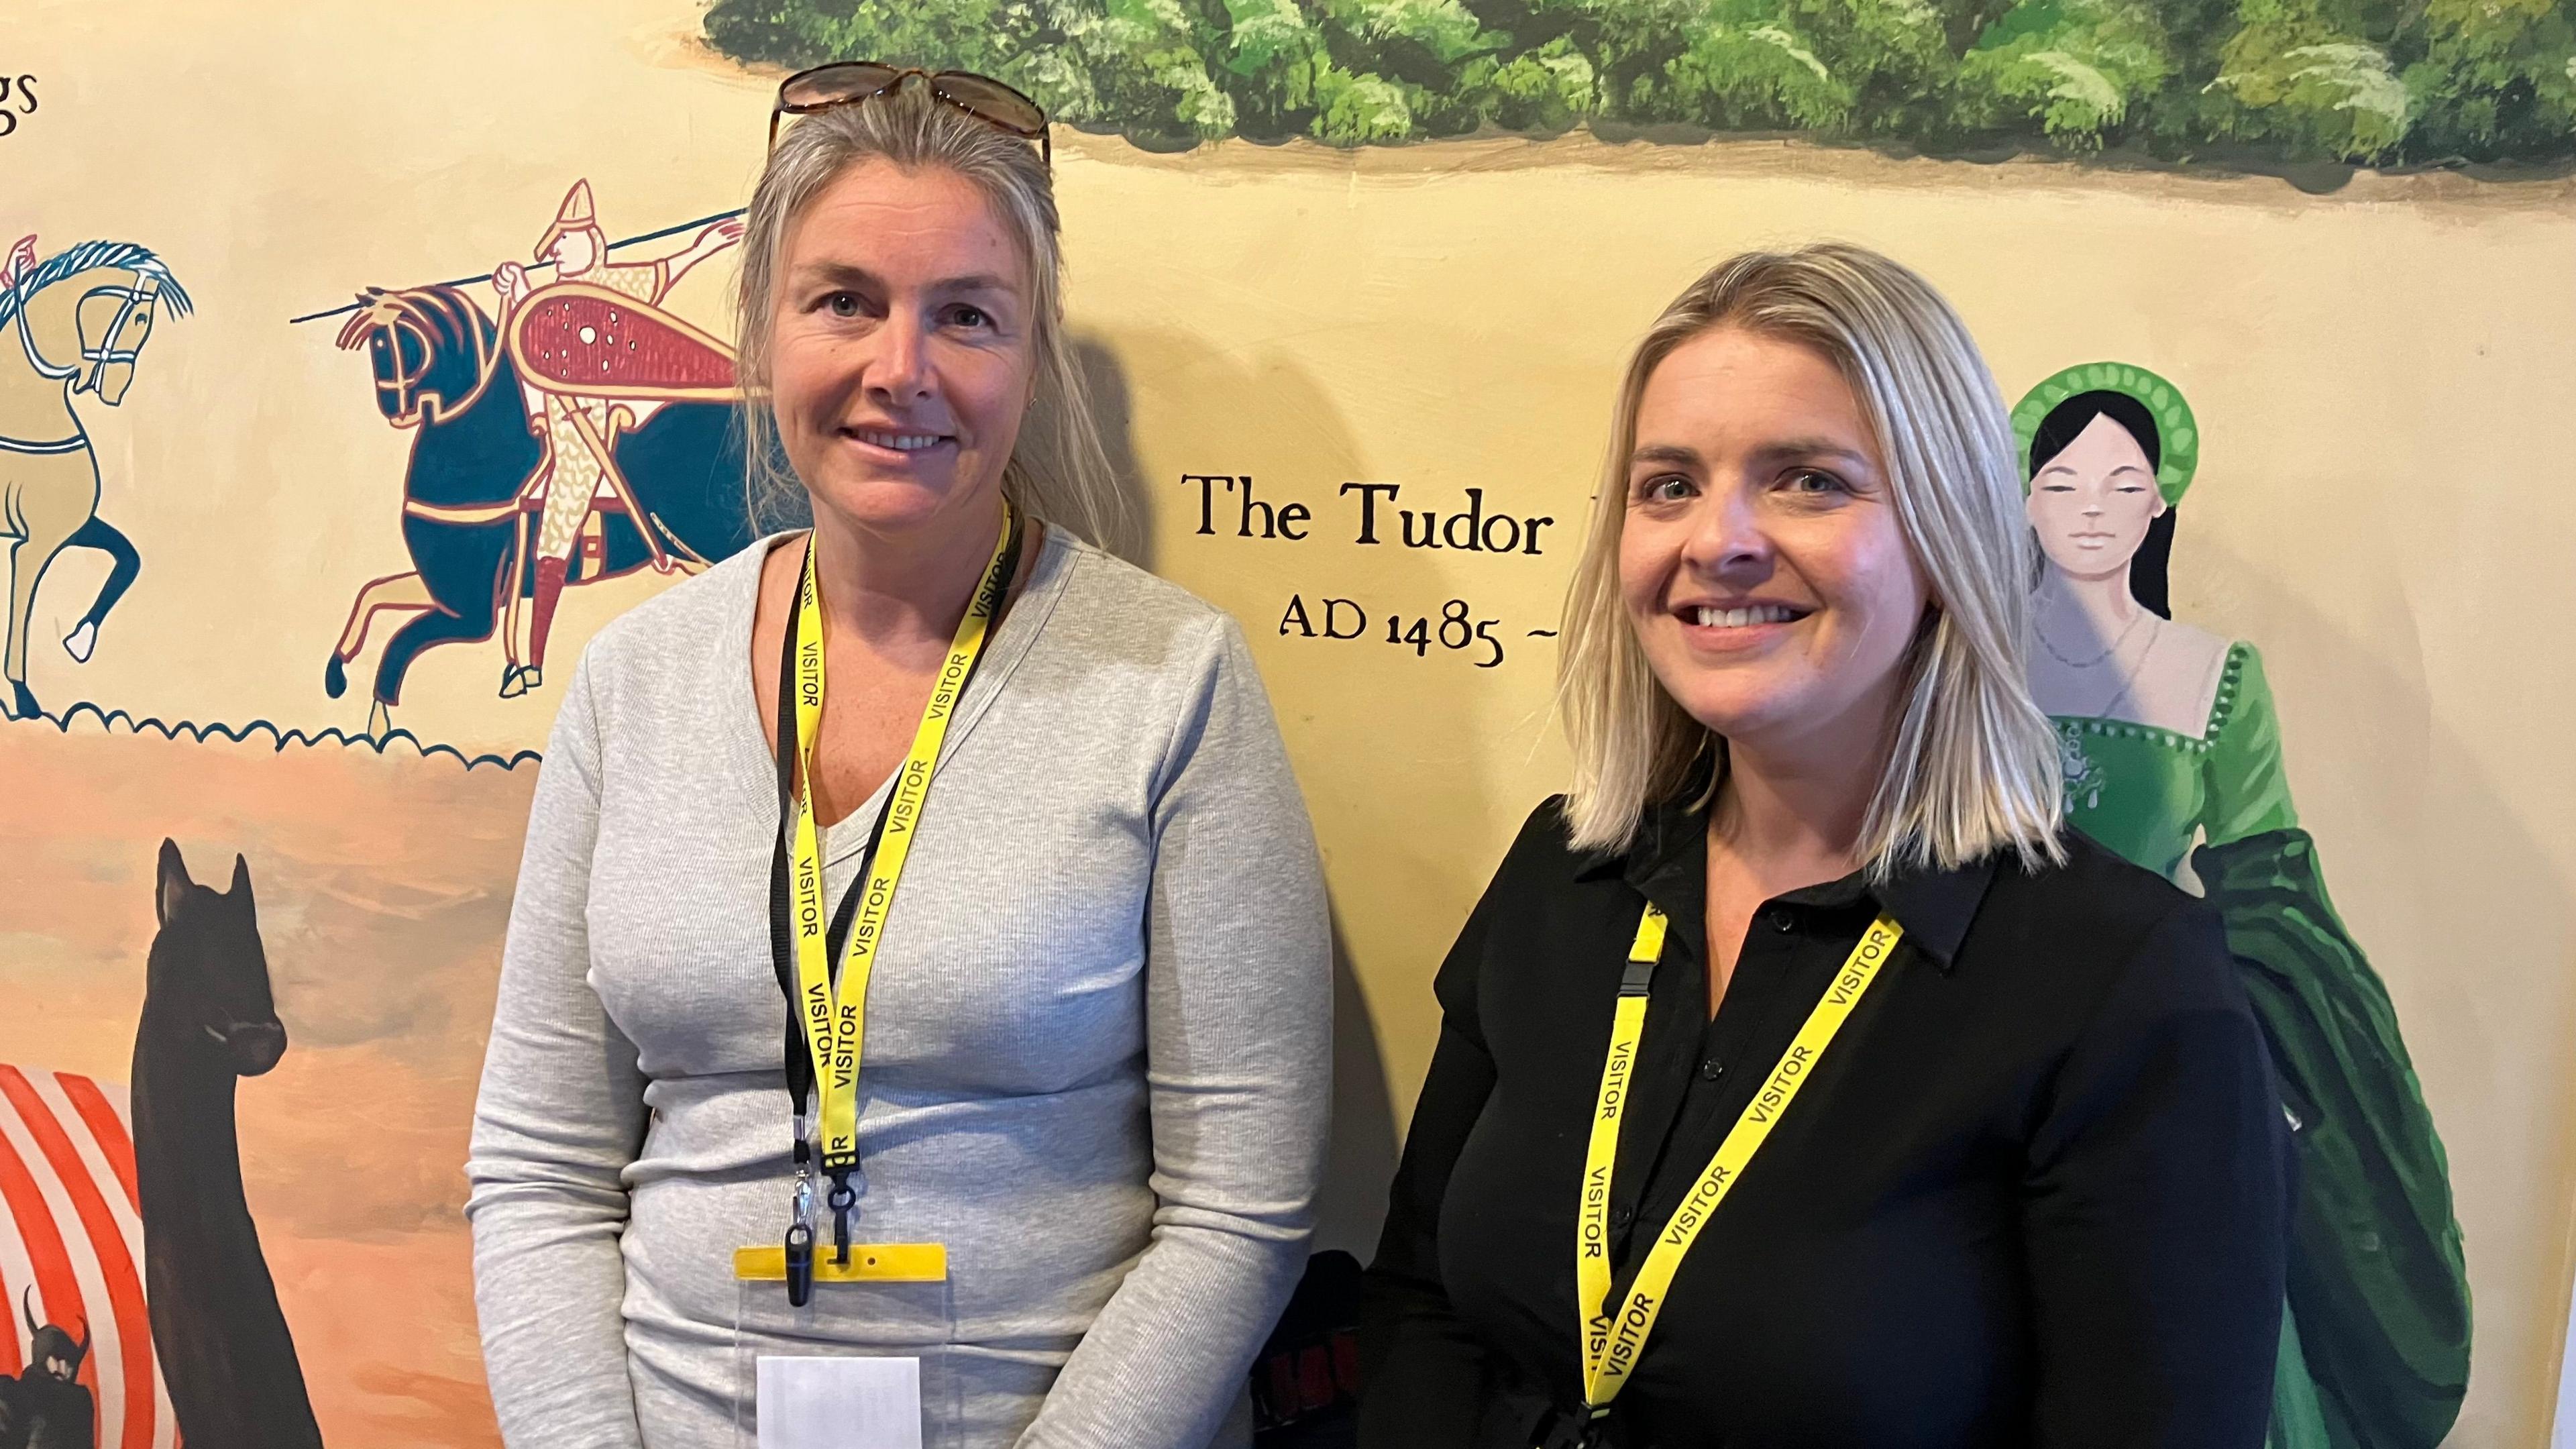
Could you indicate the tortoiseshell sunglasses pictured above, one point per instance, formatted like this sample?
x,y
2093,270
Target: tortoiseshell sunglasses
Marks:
x,y
848,82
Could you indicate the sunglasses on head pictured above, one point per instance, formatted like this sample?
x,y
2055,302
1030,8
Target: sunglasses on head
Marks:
x,y
848,82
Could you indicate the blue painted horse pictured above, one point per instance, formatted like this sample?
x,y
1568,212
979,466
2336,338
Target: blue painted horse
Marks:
x,y
442,374
77,323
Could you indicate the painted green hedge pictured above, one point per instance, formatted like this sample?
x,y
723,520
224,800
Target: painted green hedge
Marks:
x,y
2377,81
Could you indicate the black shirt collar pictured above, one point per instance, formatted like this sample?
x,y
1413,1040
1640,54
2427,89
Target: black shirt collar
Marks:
x,y
1668,863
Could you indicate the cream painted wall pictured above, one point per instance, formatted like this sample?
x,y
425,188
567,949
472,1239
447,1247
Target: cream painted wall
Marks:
x,y
2383,505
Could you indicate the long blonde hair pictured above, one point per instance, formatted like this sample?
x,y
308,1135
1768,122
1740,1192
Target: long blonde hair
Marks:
x,y
1058,471
1972,764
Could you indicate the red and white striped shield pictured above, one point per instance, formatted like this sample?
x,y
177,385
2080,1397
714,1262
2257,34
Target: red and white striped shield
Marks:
x,y
71,1227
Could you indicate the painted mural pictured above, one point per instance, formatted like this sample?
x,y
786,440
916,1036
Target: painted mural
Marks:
x,y
85,1372
1352,282
2269,81
80,318
209,1020
2172,747
195,1195
580,434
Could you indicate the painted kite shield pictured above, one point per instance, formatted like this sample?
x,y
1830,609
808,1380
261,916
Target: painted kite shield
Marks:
x,y
574,337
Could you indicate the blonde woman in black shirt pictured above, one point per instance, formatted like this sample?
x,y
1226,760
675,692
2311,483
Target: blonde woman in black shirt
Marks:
x,y
2026,1185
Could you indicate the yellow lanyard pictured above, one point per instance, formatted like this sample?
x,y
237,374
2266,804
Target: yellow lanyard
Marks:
x,y
835,1015
1611,1346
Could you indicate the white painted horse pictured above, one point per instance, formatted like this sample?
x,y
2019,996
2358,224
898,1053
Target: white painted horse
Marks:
x,y
76,323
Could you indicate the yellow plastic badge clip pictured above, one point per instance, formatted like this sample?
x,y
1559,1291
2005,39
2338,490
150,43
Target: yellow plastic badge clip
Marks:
x,y
869,1263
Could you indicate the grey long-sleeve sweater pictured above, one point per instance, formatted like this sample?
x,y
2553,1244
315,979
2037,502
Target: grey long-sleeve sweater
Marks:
x,y
1097,1050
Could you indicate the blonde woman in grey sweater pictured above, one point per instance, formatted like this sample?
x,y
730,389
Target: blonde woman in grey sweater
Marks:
x,y
1069,1019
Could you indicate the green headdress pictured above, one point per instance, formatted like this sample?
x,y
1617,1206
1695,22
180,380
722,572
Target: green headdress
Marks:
x,y
2177,436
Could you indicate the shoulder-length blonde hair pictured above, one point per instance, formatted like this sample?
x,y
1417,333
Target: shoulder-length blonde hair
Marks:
x,y
1971,764
1058,471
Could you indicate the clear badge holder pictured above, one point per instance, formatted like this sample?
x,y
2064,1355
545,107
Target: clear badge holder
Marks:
x,y
801,1383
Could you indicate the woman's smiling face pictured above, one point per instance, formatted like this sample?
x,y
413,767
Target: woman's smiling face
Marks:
x,y
2091,504
1760,559
901,345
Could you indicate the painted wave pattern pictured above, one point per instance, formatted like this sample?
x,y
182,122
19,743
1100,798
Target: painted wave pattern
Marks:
x,y
116,721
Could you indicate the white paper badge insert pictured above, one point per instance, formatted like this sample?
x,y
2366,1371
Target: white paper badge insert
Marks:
x,y
840,1403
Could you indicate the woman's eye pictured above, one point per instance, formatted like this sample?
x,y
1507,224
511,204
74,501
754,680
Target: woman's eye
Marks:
x,y
1815,483
967,316
1670,488
841,304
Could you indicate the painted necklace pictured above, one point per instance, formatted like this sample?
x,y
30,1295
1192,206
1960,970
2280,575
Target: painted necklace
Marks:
x,y
2139,618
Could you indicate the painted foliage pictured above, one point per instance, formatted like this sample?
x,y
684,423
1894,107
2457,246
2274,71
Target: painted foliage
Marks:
x,y
2258,80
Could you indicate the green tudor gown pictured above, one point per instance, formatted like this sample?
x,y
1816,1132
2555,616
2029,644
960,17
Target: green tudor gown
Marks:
x,y
2375,1339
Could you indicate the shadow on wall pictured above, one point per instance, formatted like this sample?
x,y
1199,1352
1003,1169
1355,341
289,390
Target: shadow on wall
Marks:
x,y
1370,788
1306,1379
1361,1163
1112,411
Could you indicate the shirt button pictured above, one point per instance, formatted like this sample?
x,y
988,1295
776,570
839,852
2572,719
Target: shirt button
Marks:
x,y
1621,1217
1712,1069
1781,920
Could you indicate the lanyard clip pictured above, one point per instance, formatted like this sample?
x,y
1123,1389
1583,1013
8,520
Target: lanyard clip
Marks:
x,y
800,1241
1582,1428
842,1199
800,1263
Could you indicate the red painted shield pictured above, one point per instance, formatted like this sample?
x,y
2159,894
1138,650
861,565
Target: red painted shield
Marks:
x,y
573,337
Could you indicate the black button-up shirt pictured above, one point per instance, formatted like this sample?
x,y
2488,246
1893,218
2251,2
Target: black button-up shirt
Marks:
x,y
2035,1192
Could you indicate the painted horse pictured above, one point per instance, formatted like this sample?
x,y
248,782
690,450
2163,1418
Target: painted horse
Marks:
x,y
444,373
77,323
209,1020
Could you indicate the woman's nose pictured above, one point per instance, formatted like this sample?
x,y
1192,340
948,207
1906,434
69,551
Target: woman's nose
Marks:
x,y
900,371
1726,535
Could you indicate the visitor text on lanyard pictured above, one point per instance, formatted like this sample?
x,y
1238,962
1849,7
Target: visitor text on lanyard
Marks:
x,y
1611,1344
827,1017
